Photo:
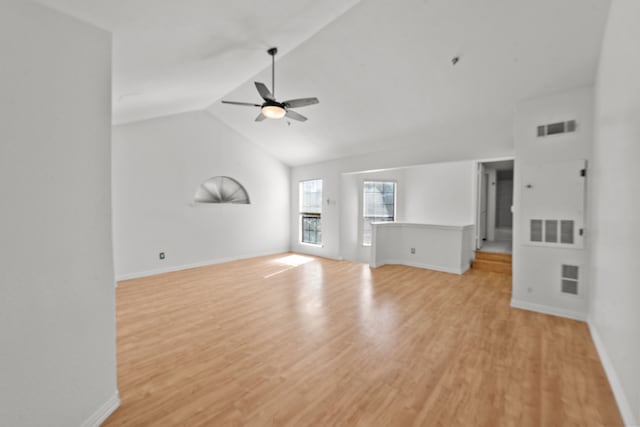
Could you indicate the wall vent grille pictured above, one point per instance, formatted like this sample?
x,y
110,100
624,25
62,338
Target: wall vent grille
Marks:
x,y
569,279
557,128
552,231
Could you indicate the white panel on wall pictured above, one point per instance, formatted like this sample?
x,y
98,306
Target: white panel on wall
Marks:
x,y
553,198
536,265
551,166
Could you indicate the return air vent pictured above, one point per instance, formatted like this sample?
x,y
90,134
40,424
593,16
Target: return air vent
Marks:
x,y
553,231
569,279
556,128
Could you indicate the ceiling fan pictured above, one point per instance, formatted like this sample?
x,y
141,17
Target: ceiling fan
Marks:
x,y
270,108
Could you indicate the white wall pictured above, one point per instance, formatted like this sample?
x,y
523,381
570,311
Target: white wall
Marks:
x,y
442,193
57,317
351,210
462,144
330,175
447,248
536,269
158,166
614,205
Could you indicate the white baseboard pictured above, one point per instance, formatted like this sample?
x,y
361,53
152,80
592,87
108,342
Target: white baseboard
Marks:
x,y
103,412
547,309
614,381
451,270
148,273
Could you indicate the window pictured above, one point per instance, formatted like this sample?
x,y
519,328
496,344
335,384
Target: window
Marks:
x,y
311,212
378,204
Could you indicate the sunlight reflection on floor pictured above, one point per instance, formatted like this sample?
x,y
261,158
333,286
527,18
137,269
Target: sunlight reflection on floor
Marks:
x,y
292,261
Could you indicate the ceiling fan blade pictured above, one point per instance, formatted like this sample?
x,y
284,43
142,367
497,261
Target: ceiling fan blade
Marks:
x,y
260,117
248,104
264,92
296,116
302,102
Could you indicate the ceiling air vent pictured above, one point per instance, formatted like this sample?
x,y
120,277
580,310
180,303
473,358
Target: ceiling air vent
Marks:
x,y
557,128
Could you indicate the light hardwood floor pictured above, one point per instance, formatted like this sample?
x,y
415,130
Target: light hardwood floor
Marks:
x,y
265,342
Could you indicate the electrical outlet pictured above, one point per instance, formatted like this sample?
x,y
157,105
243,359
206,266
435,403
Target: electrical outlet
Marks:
x,y
413,250
161,255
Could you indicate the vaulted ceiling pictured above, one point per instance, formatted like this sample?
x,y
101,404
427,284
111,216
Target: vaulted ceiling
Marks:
x,y
172,56
381,69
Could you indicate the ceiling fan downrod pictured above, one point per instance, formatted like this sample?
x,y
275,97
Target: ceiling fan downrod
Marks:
x,y
273,52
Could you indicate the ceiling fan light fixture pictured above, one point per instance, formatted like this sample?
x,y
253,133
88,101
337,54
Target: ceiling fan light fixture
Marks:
x,y
273,111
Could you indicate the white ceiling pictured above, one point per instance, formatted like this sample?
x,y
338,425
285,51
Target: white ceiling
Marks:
x,y
383,74
380,68
174,56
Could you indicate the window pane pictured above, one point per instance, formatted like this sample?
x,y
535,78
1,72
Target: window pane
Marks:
x,y
311,229
378,205
311,196
310,210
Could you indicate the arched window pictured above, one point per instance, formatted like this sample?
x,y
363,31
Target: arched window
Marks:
x,y
222,189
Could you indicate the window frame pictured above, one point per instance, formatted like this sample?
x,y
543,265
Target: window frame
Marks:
x,y
363,218
302,214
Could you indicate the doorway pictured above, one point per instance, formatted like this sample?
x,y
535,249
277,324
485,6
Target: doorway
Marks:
x,y
495,206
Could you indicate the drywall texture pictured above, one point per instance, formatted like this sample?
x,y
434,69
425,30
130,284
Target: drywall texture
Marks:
x,y
57,309
615,203
157,167
537,269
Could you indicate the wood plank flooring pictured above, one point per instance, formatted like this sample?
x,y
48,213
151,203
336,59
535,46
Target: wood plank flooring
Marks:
x,y
266,341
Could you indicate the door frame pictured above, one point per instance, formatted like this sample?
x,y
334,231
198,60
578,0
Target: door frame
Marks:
x,y
477,176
